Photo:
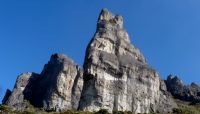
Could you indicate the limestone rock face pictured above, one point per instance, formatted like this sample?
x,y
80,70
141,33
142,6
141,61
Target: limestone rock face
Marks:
x,y
183,92
57,88
22,91
116,74
60,85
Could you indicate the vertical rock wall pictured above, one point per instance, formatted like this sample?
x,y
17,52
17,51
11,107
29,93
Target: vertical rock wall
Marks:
x,y
116,77
116,74
57,88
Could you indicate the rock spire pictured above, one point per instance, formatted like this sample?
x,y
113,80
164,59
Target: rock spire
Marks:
x,y
115,76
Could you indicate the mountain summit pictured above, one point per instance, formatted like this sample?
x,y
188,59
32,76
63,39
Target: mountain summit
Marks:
x,y
115,76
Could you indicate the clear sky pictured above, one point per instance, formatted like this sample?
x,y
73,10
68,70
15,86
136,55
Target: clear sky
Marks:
x,y
166,31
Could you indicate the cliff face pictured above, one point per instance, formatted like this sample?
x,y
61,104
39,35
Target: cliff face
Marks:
x,y
116,76
57,88
22,91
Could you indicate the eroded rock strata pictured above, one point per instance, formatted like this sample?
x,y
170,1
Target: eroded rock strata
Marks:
x,y
22,91
59,85
179,90
115,76
57,88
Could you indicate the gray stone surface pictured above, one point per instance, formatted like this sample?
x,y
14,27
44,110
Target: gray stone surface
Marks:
x,y
183,92
60,85
116,74
22,91
57,88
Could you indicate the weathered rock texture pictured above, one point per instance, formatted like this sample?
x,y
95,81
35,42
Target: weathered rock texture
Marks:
x,y
116,74
60,85
57,88
183,92
22,91
116,77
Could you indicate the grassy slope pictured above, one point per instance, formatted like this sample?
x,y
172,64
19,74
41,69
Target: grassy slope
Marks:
x,y
183,108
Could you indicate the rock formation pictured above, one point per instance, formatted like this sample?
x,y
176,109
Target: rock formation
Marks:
x,y
7,95
22,91
183,92
59,85
116,76
57,88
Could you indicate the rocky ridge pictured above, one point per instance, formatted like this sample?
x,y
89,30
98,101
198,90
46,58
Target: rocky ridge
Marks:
x,y
115,76
190,93
57,88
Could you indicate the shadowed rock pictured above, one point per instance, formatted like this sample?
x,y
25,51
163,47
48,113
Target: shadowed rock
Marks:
x,y
116,77
22,91
60,85
7,95
116,74
57,88
183,92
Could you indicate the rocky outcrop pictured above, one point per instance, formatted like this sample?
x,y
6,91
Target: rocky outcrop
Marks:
x,y
183,92
116,74
22,91
57,88
60,85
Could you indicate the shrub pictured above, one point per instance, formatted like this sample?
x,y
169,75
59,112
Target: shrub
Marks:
x,y
122,112
102,111
5,108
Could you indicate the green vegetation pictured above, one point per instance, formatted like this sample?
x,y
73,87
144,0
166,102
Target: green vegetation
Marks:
x,y
122,112
187,109
31,110
182,109
4,108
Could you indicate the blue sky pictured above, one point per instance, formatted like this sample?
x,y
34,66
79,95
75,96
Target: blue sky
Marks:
x,y
166,31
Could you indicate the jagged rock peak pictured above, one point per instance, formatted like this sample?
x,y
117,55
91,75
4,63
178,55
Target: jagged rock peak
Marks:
x,y
112,38
107,16
57,88
180,91
175,79
20,83
109,24
193,84
22,91
60,58
60,85
116,74
116,77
